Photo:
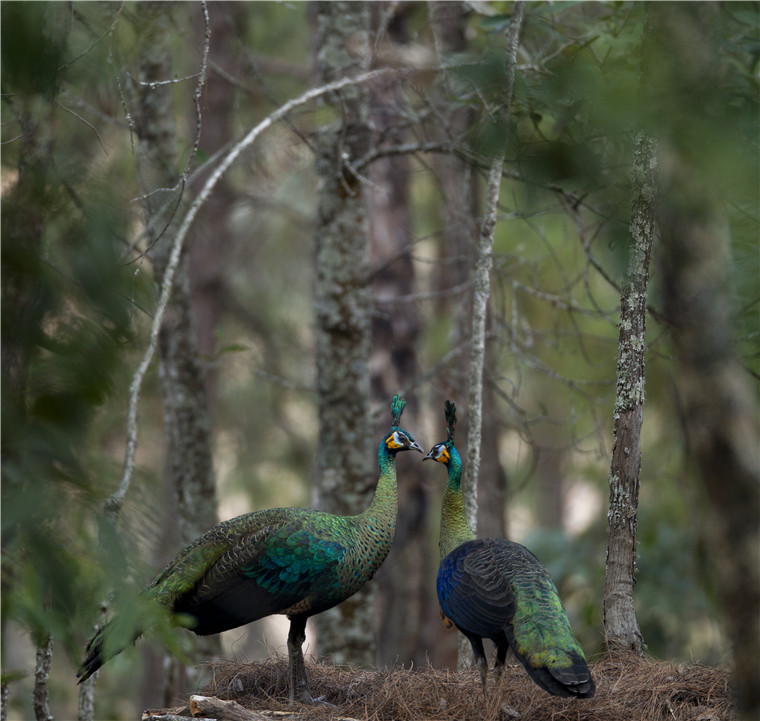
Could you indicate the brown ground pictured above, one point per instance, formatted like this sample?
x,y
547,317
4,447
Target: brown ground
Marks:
x,y
627,688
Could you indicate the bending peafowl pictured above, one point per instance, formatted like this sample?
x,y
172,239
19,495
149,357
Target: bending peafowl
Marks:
x,y
292,561
494,588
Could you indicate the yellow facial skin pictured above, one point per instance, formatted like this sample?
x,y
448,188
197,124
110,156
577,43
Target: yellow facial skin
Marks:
x,y
442,456
393,442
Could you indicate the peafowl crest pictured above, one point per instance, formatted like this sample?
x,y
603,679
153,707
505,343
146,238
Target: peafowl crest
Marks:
x,y
497,589
292,561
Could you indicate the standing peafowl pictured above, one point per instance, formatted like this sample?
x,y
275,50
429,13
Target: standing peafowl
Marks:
x,y
494,588
292,561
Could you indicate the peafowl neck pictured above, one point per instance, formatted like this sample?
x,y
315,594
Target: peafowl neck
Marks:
x,y
385,501
377,525
454,527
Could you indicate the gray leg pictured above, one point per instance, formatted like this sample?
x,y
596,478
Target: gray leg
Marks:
x,y
501,654
480,658
299,685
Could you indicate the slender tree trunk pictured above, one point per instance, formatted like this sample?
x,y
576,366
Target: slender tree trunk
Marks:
x,y
550,468
717,399
459,210
346,457
402,585
189,460
209,239
482,282
719,417
621,629
41,693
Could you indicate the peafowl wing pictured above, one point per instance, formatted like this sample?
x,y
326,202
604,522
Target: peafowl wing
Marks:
x,y
494,588
289,566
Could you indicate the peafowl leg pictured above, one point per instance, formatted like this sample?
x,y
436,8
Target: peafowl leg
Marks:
x,y
480,658
299,685
501,653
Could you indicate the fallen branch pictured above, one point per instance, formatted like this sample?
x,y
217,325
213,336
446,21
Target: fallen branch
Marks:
x,y
210,706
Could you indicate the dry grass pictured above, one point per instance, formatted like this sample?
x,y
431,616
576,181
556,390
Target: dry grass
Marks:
x,y
628,688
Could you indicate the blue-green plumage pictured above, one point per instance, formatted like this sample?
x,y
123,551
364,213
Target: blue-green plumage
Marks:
x,y
497,589
292,561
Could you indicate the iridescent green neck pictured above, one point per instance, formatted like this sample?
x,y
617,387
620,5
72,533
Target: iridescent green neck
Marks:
x,y
377,525
454,527
385,502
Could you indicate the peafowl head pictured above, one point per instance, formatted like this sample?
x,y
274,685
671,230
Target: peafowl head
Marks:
x,y
398,439
446,451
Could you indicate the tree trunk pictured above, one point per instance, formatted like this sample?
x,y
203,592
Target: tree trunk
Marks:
x,y
459,210
403,584
621,629
41,694
719,420
208,257
481,290
346,456
189,465
550,484
482,281
716,397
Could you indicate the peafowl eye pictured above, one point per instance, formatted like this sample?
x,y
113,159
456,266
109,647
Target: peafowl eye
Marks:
x,y
292,561
495,588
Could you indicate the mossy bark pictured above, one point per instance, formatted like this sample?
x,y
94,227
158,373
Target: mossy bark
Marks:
x,y
346,466
189,465
621,629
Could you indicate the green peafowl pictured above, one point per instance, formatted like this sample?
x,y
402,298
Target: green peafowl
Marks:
x,y
292,561
494,588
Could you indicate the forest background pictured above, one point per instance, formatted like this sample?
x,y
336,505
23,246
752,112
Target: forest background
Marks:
x,y
114,117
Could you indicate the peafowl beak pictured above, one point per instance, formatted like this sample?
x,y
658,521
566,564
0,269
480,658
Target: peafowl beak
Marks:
x,y
439,453
414,446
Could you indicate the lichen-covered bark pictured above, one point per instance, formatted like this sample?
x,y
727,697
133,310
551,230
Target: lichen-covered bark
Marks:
x,y
482,281
621,629
41,694
189,460
346,456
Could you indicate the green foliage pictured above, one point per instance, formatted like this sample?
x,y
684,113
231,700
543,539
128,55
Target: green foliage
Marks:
x,y
76,297
33,47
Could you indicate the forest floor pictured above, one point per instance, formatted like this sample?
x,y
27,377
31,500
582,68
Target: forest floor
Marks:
x,y
628,687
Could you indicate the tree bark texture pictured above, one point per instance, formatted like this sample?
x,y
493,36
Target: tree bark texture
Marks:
x,y
346,455
621,629
403,585
481,293
189,465
41,693
482,281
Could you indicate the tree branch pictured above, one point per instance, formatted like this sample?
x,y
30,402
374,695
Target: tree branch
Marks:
x,y
116,500
482,285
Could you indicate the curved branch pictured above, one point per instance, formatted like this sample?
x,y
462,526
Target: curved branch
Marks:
x,y
116,500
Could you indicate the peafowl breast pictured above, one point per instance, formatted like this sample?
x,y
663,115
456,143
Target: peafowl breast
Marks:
x,y
496,589
292,561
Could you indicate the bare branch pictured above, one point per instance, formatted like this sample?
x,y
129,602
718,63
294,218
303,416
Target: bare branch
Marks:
x,y
116,500
482,286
